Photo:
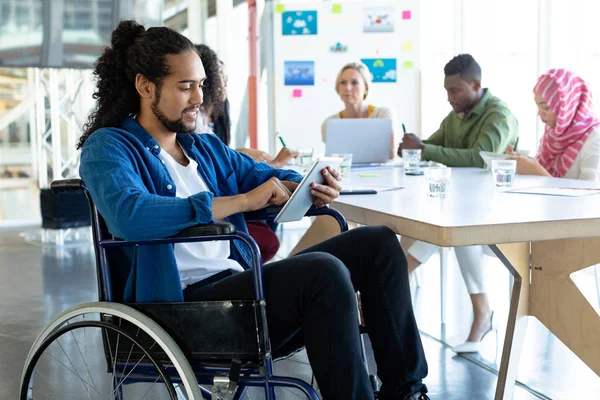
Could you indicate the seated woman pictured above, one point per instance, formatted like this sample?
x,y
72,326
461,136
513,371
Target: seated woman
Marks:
x,y
352,85
570,147
214,118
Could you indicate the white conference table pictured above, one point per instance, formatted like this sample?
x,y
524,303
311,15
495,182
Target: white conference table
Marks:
x,y
541,240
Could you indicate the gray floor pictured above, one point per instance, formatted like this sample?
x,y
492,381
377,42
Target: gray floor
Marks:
x,y
37,282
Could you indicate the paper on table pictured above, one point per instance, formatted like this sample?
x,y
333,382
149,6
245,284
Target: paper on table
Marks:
x,y
377,188
553,191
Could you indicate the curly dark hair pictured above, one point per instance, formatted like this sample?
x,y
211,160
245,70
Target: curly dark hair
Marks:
x,y
133,50
214,89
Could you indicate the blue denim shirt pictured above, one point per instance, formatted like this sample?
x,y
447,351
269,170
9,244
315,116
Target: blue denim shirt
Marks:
x,y
135,194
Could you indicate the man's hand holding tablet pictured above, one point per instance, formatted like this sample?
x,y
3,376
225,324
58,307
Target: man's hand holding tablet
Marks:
x,y
320,186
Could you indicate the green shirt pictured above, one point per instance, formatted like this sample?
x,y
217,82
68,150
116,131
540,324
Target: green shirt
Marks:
x,y
489,127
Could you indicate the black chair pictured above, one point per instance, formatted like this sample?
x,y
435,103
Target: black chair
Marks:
x,y
179,346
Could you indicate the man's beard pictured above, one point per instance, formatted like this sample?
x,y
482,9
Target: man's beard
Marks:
x,y
171,125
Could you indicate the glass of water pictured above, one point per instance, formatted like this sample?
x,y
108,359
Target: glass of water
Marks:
x,y
346,165
305,155
412,160
503,172
438,181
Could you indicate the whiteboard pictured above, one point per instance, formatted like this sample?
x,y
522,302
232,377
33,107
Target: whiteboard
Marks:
x,y
319,38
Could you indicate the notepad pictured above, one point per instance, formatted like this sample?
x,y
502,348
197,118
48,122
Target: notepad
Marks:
x,y
554,191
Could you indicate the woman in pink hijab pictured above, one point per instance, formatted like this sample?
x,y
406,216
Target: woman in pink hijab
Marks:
x,y
570,147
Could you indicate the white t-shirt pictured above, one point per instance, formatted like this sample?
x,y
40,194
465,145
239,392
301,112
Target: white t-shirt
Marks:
x,y
199,260
587,163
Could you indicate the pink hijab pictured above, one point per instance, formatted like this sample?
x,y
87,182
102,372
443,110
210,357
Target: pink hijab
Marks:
x,y
570,99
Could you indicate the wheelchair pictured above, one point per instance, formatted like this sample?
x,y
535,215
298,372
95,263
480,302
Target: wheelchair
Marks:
x,y
189,350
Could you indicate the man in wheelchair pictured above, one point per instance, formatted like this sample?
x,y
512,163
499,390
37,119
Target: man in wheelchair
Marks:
x,y
151,176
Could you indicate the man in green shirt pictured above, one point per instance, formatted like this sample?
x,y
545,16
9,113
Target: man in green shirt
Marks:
x,y
478,121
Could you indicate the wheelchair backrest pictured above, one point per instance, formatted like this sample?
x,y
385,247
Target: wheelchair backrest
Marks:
x,y
106,258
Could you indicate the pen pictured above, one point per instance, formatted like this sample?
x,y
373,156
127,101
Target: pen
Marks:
x,y
281,140
404,128
357,192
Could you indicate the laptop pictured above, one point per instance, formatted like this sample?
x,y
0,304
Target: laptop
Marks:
x,y
368,139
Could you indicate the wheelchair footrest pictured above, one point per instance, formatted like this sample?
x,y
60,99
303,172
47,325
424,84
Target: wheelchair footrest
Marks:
x,y
223,388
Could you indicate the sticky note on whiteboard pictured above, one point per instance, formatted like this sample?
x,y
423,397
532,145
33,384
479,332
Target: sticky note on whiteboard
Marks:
x,y
406,14
407,64
336,9
279,8
297,93
407,46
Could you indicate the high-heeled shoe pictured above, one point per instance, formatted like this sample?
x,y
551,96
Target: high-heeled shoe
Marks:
x,y
474,347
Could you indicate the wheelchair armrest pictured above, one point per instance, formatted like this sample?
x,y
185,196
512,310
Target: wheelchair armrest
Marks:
x,y
269,213
266,214
197,233
216,229
66,185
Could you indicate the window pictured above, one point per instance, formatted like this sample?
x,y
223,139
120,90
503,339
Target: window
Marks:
x,y
437,48
502,37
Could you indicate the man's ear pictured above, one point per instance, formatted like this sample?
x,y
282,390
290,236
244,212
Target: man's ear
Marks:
x,y
476,85
144,87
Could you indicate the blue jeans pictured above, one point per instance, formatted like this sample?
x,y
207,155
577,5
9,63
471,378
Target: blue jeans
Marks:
x,y
311,301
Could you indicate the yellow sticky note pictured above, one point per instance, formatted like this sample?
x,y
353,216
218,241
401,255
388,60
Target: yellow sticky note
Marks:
x,y
279,8
407,64
407,46
336,9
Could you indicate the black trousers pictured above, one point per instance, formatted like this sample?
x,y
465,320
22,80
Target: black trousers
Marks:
x,y
311,299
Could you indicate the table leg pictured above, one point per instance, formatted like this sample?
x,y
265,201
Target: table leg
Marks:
x,y
558,303
515,258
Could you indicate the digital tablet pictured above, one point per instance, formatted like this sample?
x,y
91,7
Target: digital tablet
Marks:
x,y
301,200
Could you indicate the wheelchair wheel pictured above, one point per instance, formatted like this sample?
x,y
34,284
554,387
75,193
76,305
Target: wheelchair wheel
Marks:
x,y
99,350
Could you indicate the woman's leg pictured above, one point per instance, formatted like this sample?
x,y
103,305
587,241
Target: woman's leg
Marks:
x,y
417,252
470,261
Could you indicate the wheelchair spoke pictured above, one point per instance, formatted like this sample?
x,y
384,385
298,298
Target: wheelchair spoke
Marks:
x,y
130,372
73,372
114,366
148,391
87,369
129,356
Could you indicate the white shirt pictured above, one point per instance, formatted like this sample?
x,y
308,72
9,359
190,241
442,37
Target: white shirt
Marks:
x,y
587,163
199,260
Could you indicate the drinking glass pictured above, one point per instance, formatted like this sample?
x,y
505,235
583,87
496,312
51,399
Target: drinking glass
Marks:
x,y
503,172
412,160
438,181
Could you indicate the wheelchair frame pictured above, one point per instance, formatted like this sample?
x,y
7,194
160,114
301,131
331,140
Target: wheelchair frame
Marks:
x,y
230,382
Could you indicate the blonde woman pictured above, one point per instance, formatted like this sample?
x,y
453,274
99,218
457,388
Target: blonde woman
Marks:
x,y
352,84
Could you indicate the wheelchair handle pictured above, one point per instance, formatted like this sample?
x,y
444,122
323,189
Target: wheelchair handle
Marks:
x,y
66,185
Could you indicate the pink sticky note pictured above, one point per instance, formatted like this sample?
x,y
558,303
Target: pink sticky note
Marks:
x,y
406,14
297,93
